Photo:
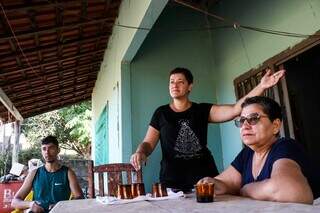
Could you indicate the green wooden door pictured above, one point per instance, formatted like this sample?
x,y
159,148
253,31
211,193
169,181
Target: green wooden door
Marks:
x,y
101,138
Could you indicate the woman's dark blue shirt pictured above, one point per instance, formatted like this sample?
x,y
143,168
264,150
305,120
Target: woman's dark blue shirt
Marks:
x,y
282,148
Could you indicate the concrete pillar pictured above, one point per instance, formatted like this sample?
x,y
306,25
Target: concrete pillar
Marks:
x,y
16,137
2,136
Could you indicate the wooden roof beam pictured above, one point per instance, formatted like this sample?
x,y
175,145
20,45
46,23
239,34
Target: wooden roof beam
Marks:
x,y
17,81
9,105
63,27
54,61
37,90
55,94
59,44
48,108
46,4
51,107
52,88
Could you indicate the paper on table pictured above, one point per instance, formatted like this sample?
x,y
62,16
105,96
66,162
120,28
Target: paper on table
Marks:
x,y
109,200
113,200
17,169
316,202
171,195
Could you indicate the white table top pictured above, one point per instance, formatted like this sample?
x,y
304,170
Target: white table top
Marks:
x,y
224,203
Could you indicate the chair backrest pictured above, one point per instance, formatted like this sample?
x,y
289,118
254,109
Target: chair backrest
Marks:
x,y
114,177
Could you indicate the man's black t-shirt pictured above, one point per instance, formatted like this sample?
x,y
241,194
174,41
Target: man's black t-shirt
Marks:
x,y
183,137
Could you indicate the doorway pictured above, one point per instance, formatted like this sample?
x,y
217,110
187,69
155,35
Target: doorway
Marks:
x,y
303,85
298,95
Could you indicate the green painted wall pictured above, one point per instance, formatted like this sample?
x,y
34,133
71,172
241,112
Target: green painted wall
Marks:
x,y
164,49
230,55
112,82
134,89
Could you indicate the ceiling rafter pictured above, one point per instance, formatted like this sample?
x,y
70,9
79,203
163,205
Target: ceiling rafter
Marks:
x,y
44,5
57,105
63,44
57,45
19,80
71,26
54,61
53,93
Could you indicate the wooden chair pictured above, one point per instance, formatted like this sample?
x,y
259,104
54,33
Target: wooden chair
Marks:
x,y
114,176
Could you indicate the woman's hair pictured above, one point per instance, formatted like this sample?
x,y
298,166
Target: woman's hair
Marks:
x,y
187,73
269,106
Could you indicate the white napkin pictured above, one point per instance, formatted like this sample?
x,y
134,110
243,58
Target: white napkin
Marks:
x,y
171,195
316,202
109,200
113,200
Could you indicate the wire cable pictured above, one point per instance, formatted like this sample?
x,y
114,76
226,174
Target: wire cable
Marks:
x,y
18,43
228,24
238,25
244,47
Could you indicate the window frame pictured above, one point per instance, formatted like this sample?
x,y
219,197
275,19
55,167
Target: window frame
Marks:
x,y
280,91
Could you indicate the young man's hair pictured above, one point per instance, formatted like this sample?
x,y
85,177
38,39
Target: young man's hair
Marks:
x,y
187,73
50,139
269,106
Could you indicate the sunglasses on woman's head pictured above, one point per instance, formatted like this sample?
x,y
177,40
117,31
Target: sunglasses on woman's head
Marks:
x,y
252,119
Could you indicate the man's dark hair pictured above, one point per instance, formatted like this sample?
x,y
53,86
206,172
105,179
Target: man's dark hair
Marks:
x,y
50,139
187,73
269,106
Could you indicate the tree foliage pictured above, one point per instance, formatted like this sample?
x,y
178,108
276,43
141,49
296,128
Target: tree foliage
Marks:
x,y
5,163
71,125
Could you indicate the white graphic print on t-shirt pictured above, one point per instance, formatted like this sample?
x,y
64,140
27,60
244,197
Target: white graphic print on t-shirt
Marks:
x,y
187,143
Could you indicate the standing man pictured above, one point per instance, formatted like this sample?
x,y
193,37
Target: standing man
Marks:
x,y
50,183
182,129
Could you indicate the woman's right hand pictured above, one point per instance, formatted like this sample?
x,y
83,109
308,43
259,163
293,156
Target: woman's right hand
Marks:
x,y
137,159
206,180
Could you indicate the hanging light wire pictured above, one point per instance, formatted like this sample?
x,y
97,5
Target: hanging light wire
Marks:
x,y
228,24
18,43
238,25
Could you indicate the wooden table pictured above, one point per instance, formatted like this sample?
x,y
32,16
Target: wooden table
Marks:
x,y
225,203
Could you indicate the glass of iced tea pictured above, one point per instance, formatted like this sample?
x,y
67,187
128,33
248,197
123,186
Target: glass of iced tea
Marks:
x,y
205,192
124,191
159,190
137,189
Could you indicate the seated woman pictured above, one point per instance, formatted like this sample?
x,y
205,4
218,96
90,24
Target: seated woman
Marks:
x,y
268,167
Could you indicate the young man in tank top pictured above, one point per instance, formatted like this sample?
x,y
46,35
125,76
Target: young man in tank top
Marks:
x,y
50,183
